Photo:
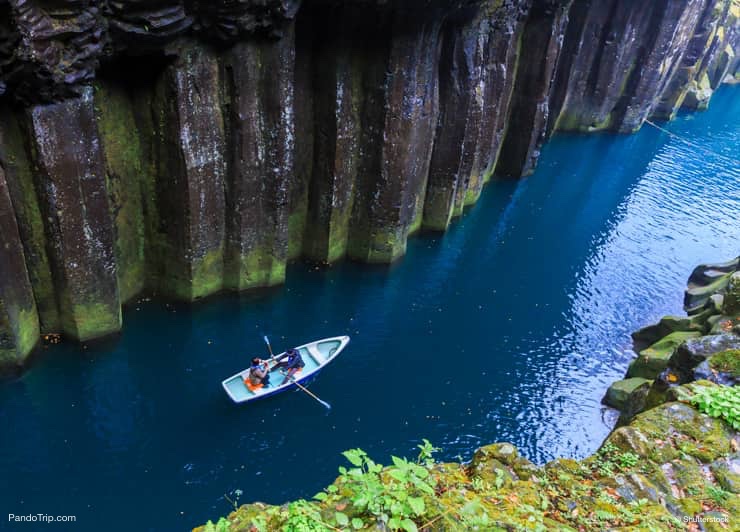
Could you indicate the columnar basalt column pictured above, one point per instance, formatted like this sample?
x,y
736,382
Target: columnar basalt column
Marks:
x,y
718,62
541,43
70,182
502,36
671,29
190,175
126,175
304,139
337,97
477,69
261,144
399,122
19,323
20,181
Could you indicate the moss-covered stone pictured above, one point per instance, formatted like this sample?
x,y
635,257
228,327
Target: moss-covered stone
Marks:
x,y
727,472
620,392
654,359
726,362
647,476
669,324
731,303
697,295
694,351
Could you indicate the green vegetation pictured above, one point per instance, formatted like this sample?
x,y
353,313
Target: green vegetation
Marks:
x,y
222,526
727,362
721,402
622,486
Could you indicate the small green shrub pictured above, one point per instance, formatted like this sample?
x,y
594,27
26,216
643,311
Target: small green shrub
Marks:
x,y
718,495
722,402
222,526
627,460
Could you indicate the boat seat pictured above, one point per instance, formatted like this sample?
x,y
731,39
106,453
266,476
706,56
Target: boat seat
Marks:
x,y
316,354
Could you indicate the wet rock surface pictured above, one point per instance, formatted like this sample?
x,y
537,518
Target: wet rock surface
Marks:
x,y
702,347
224,138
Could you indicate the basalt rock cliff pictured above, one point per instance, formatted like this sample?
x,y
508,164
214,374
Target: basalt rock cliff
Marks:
x,y
185,147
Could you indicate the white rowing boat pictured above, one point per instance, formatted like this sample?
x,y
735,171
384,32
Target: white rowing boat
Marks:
x,y
315,355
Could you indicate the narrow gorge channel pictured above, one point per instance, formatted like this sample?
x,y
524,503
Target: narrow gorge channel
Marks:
x,y
188,148
487,196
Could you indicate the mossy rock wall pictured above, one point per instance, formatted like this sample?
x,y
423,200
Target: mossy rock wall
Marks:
x,y
203,152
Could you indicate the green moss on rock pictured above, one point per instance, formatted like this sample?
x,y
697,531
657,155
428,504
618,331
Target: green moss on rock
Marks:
x,y
726,362
124,177
654,359
619,393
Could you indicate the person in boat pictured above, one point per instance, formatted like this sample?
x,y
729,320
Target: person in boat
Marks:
x,y
259,372
292,361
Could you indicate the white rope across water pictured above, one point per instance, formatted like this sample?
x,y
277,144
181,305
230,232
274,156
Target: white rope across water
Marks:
x,y
694,144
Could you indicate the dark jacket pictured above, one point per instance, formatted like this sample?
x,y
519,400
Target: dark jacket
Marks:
x,y
293,360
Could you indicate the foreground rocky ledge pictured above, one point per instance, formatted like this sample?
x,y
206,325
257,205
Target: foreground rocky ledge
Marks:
x,y
667,466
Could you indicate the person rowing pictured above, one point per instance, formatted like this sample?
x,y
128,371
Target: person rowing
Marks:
x,y
259,372
292,361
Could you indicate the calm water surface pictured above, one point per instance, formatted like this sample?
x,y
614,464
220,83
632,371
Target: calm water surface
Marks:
x,y
509,327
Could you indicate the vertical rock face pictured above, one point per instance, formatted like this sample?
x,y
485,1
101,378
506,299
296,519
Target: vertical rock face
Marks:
x,y
476,72
683,81
19,323
672,25
337,91
124,171
30,223
714,52
304,139
530,111
70,183
400,119
261,132
621,65
185,147
190,162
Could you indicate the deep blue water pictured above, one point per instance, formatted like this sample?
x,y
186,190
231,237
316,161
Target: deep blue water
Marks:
x,y
509,327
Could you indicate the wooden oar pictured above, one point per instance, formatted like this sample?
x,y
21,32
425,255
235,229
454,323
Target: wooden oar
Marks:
x,y
300,386
309,392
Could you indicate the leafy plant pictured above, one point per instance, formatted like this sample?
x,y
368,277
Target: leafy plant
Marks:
x,y
222,526
305,517
394,496
722,402
627,460
718,495
426,452
605,468
500,479
608,449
